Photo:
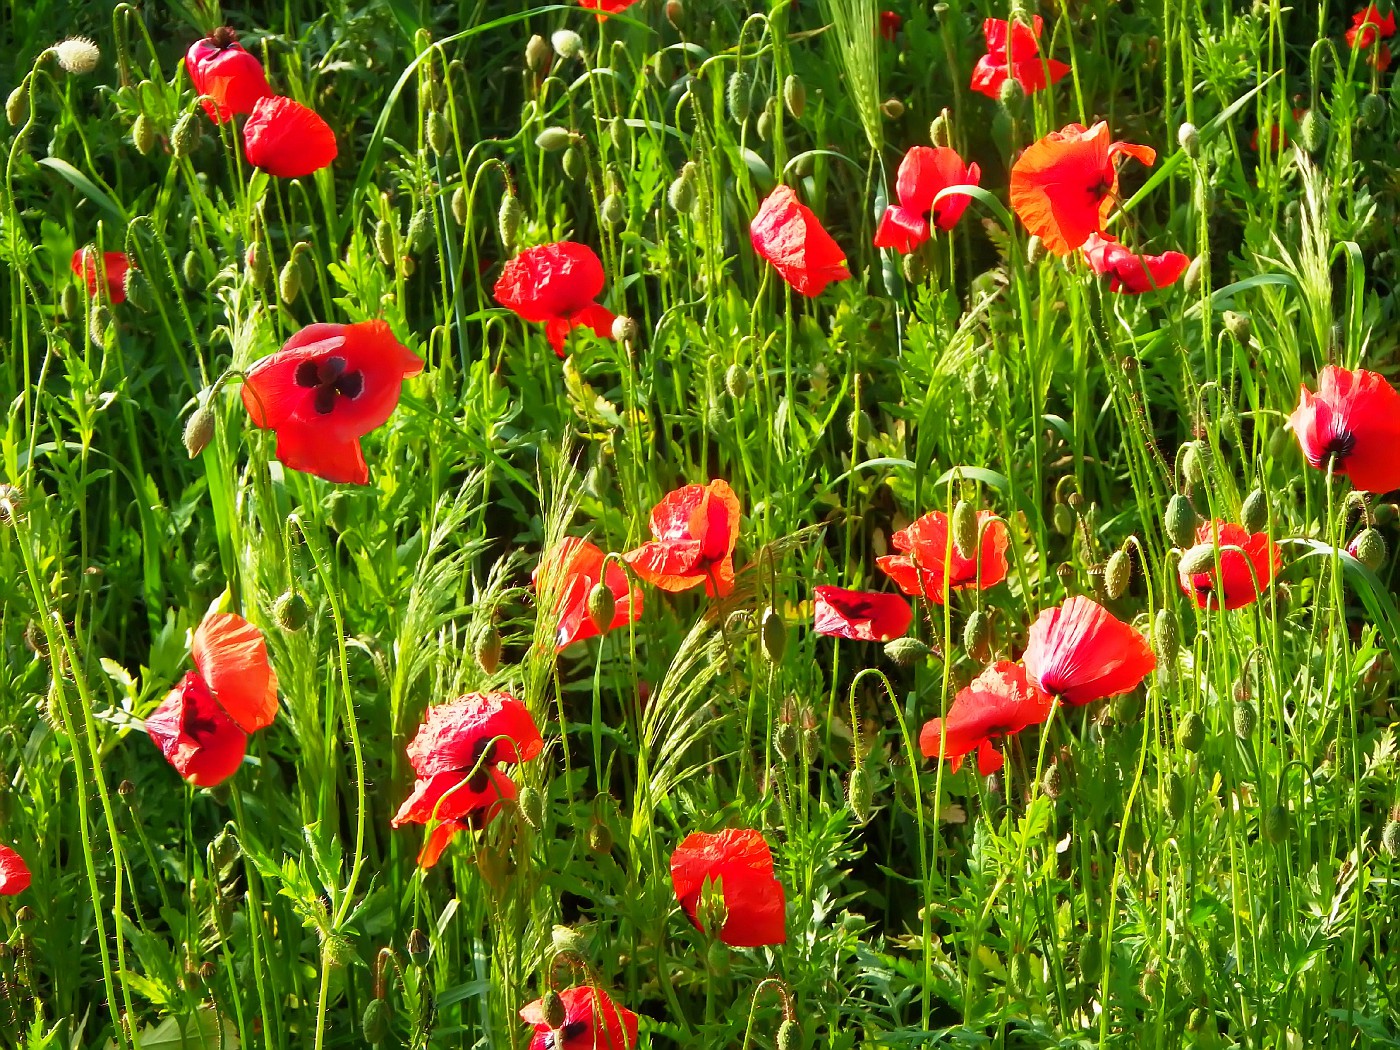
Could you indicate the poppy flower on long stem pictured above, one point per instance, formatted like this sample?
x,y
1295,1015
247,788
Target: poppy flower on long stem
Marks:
x,y
592,1021
1080,652
285,139
114,267
605,7
1063,186
787,234
695,529
925,172
579,565
1248,562
1128,272
865,616
999,702
231,79
931,564
329,386
739,861
1013,53
556,284
1368,28
1353,424
14,873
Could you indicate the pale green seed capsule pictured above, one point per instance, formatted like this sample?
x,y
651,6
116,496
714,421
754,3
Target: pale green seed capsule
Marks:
x,y
795,96
512,214
185,137
437,132
384,242
1254,512
143,134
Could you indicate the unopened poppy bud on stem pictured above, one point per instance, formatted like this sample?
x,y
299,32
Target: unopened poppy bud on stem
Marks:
x,y
1245,718
566,43
613,211
602,607
185,137
291,611
553,139
977,633
512,214
892,108
1118,573
98,323
1390,838
1369,549
488,650
1254,511
531,807
858,793
552,1007
1180,520
420,231
1237,325
143,134
736,381
939,132
1035,250
417,947
965,530
437,132
907,651
17,104
788,1035
1189,139
795,96
738,96
375,1020
1011,94
1191,732
773,632
459,206
681,193
625,330
537,53
289,281
675,13
1192,280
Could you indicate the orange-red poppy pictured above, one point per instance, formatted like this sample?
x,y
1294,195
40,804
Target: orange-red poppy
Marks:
x,y
580,564
931,563
787,233
285,139
1080,652
865,616
1368,28
999,702
1353,423
925,172
222,70
14,873
695,529
592,1021
114,267
740,862
556,284
1013,53
1248,562
1127,271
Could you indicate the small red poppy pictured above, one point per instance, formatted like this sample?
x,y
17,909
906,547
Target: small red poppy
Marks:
x,y
931,562
1013,52
695,529
925,172
1063,186
231,79
556,284
1248,562
739,860
605,7
1127,271
286,139
865,616
114,266
1353,422
792,238
1080,652
329,386
14,873
592,1021
890,24
999,702
1369,27
1278,133
580,564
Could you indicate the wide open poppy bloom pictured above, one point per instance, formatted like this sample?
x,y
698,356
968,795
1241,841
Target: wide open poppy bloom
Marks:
x,y
202,726
592,1021
232,79
924,172
792,238
1013,52
556,284
329,386
999,702
114,267
1353,422
695,529
1127,271
865,616
1063,186
931,562
1368,28
1080,652
890,24
580,564
14,873
286,139
738,859
1244,572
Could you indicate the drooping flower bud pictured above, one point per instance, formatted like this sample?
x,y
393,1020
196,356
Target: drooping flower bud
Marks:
x,y
291,611
1197,559
738,96
488,650
1191,732
537,53
977,633
185,137
375,1020
1011,94
773,636
858,793
566,43
1180,520
1189,140
1254,512
612,211
553,139
143,134
1062,518
1275,824
552,1009
1118,573
512,214
438,132
892,109
68,302
99,321
906,651
788,1035
795,96
531,806
192,270
289,281
965,529
681,193
601,607
1192,281
17,104
1369,549
420,231
1035,250
1052,783
1390,838
417,947
1245,718
1313,130
1165,636
1237,325
675,13
736,381
1373,111
138,289
1174,796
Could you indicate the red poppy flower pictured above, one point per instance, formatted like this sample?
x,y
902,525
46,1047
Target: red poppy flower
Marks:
x,y
1013,52
1063,186
580,563
605,7
1353,421
114,267
788,235
232,79
14,873
695,529
741,863
931,561
286,139
1278,133
1127,271
1368,26
330,385
1080,652
924,172
866,616
452,803
556,284
1244,559
999,702
592,1021
890,24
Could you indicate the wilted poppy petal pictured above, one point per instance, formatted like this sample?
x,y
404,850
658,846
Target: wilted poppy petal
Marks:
x,y
868,616
1080,652
232,659
203,743
285,139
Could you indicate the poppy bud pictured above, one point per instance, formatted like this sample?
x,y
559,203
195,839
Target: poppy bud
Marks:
x,y
601,607
199,429
1199,558
892,108
97,324
437,132
675,13
907,651
773,636
1275,824
17,104
1245,718
1091,958
1373,111
420,231
977,633
681,193
1179,523
259,266
858,794
1053,782
1191,732
512,214
1174,796
1035,250
488,650
1369,549
537,53
738,96
191,270
1165,636
289,281
553,139
736,381
787,1035
1189,140
1019,969
573,163
417,947
459,206
1192,280
531,807
1191,968
1254,512
1237,325
375,1022
185,137
291,611
795,96
1118,573
625,330
552,1010
965,529
765,121
1062,518
785,740
566,43
1390,838
68,302
143,134
1192,463
1011,94
613,212
1313,130
858,425
1198,1017
137,289
384,242
914,267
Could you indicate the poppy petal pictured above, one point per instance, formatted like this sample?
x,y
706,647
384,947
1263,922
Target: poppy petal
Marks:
x,y
232,659
287,140
14,872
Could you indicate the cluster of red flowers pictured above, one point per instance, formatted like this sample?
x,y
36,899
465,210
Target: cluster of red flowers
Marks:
x,y
1368,29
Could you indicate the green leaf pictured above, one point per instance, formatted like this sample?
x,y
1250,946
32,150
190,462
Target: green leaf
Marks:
x,y
88,189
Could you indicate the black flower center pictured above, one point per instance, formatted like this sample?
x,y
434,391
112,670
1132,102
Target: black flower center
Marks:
x,y
1341,445
330,380
483,758
569,1031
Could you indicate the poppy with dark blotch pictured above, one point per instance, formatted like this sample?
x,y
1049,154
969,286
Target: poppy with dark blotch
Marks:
x,y
1063,186
1368,28
556,284
695,529
999,702
14,873
605,7
740,863
925,172
592,1021
579,565
865,616
890,24
1248,562
1013,53
202,726
231,79
792,238
1353,424
457,756
114,267
286,139
931,563
329,386
1127,271
1080,652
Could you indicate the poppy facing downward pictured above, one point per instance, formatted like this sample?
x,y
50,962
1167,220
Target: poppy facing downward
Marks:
x,y
999,702
329,386
865,616
1013,53
1368,28
1352,422
286,139
556,284
787,233
931,562
114,267
1063,186
222,70
592,1021
580,564
695,529
740,862
1127,271
1080,652
925,172
1248,562
14,873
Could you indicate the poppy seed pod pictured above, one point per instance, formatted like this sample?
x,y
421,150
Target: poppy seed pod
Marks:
x,y
553,139
1369,549
1191,732
965,529
417,947
1245,718
1189,140
566,43
143,134
185,137
1180,521
508,221
537,53
1254,512
1275,824
199,429
488,650
773,636
437,132
1390,838
907,651
795,96
291,611
602,607
375,1021
1118,573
